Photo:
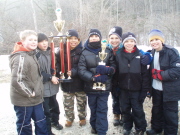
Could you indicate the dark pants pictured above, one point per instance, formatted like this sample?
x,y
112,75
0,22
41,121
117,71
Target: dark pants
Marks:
x,y
24,116
164,114
132,111
98,106
116,101
51,111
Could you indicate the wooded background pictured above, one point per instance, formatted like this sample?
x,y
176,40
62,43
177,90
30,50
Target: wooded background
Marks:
x,y
137,16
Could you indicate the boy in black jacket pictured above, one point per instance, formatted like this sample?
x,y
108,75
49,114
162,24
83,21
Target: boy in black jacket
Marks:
x,y
165,69
91,72
72,90
134,82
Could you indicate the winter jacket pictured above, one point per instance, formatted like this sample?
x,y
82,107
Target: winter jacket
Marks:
x,y
25,77
88,62
44,59
169,61
133,76
77,84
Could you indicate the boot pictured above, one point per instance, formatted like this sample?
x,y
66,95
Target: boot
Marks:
x,y
68,123
139,133
116,119
153,132
57,126
126,132
93,131
121,120
82,122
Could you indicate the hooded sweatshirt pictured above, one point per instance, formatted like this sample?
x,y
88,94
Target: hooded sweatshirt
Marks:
x,y
26,78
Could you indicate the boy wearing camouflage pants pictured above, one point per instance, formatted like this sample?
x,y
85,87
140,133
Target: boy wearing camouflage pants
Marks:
x,y
75,88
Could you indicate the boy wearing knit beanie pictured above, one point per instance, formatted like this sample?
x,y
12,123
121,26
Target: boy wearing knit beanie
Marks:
x,y
94,74
115,39
134,83
73,90
165,69
51,84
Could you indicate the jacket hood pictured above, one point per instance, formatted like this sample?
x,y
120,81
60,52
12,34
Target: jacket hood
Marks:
x,y
19,47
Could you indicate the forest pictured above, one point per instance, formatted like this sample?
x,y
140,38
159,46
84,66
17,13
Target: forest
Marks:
x,y
136,16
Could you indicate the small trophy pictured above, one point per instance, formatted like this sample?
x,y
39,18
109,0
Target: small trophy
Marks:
x,y
102,56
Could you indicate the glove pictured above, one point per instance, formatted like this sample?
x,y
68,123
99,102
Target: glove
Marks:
x,y
156,74
145,60
103,70
142,96
52,71
100,78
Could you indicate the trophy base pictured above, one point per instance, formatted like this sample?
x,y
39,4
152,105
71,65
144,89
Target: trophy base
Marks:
x,y
65,80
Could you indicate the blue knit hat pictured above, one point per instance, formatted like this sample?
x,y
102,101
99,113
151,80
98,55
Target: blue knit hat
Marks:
x,y
95,32
156,34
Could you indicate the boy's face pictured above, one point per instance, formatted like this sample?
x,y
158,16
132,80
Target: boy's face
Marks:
x,y
43,45
30,42
94,38
129,45
74,41
156,44
114,40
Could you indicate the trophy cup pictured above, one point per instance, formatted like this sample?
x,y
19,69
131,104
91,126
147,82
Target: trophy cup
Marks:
x,y
59,25
102,56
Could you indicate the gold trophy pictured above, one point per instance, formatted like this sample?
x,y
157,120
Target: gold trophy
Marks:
x,y
102,56
59,23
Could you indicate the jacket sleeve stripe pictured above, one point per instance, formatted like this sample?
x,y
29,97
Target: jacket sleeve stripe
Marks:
x,y
19,76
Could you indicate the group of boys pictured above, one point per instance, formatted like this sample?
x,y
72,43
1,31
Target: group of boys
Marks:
x,y
34,88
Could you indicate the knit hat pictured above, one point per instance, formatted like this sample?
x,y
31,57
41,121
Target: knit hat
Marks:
x,y
95,32
117,31
72,32
127,36
156,34
42,37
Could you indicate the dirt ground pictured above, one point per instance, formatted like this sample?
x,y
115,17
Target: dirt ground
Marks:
x,y
8,118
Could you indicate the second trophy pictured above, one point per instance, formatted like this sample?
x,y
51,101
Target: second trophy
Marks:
x,y
102,56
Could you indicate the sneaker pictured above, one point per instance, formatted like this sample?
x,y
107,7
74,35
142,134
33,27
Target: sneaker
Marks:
x,y
138,133
82,122
93,131
126,132
68,123
116,119
57,126
153,132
